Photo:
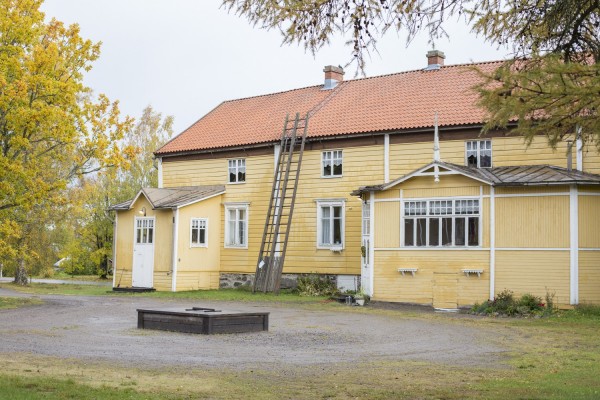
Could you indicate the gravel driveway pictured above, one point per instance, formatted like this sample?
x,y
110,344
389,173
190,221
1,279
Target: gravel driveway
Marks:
x,y
104,328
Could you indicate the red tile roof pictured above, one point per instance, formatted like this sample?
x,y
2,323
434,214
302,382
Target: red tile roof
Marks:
x,y
401,101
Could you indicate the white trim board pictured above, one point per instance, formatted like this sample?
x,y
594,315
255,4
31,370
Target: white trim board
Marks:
x,y
175,244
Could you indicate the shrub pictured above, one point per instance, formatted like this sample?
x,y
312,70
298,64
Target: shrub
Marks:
x,y
505,304
316,285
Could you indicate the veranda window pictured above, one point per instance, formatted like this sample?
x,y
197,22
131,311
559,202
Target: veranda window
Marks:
x,y
441,223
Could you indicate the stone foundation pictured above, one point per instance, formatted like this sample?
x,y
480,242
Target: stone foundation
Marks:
x,y
288,281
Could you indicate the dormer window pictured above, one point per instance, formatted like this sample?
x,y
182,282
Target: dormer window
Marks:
x,y
478,153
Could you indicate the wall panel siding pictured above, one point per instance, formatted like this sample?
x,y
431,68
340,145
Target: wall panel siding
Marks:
x,y
532,222
589,277
360,164
390,285
591,159
512,150
163,239
449,185
387,224
195,172
196,265
535,272
194,280
589,221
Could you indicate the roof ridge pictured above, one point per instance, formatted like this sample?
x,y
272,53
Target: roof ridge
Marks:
x,y
359,79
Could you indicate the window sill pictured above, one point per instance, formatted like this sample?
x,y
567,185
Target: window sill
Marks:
x,y
331,176
199,246
236,183
230,246
333,248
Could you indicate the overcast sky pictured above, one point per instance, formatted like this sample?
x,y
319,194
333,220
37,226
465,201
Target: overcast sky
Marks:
x,y
184,57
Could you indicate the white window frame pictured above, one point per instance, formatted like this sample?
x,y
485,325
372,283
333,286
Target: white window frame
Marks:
x,y
237,207
331,203
238,164
428,216
205,220
478,144
332,153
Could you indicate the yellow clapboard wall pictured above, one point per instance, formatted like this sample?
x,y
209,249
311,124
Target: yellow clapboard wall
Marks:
x,y
163,244
589,276
533,221
198,267
535,272
391,285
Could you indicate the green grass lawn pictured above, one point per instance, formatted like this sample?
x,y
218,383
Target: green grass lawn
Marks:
x,y
16,302
243,295
62,275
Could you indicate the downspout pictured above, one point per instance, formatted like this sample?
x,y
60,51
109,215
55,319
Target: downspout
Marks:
x,y
574,239
175,244
386,158
492,243
114,252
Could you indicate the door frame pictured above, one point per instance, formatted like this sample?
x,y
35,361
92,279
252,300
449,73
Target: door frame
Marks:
x,y
366,262
133,265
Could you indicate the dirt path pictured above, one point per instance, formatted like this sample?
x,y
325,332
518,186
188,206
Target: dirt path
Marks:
x,y
104,328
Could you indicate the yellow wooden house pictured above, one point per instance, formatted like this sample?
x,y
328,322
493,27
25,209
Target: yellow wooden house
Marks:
x,y
375,204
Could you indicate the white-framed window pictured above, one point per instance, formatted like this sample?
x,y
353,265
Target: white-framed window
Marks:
x,y
144,230
478,153
199,232
366,219
237,170
330,224
331,161
441,223
236,225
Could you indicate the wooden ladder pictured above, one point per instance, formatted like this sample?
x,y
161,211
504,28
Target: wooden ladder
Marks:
x,y
281,205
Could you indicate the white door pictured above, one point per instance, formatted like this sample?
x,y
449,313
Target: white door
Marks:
x,y
143,253
365,276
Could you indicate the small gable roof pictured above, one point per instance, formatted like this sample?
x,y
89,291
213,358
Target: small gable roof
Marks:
x,y
170,198
395,102
527,175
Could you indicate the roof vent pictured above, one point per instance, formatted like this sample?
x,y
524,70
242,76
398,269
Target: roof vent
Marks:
x,y
435,59
333,76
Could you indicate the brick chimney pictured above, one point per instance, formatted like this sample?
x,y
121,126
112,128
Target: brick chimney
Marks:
x,y
333,76
435,59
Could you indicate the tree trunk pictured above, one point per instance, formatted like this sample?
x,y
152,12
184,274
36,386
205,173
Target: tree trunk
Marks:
x,y
21,274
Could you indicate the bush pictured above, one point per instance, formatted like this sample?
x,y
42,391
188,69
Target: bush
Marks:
x,y
316,285
505,304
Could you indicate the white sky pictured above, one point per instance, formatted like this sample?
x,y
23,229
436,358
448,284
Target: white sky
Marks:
x,y
184,57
